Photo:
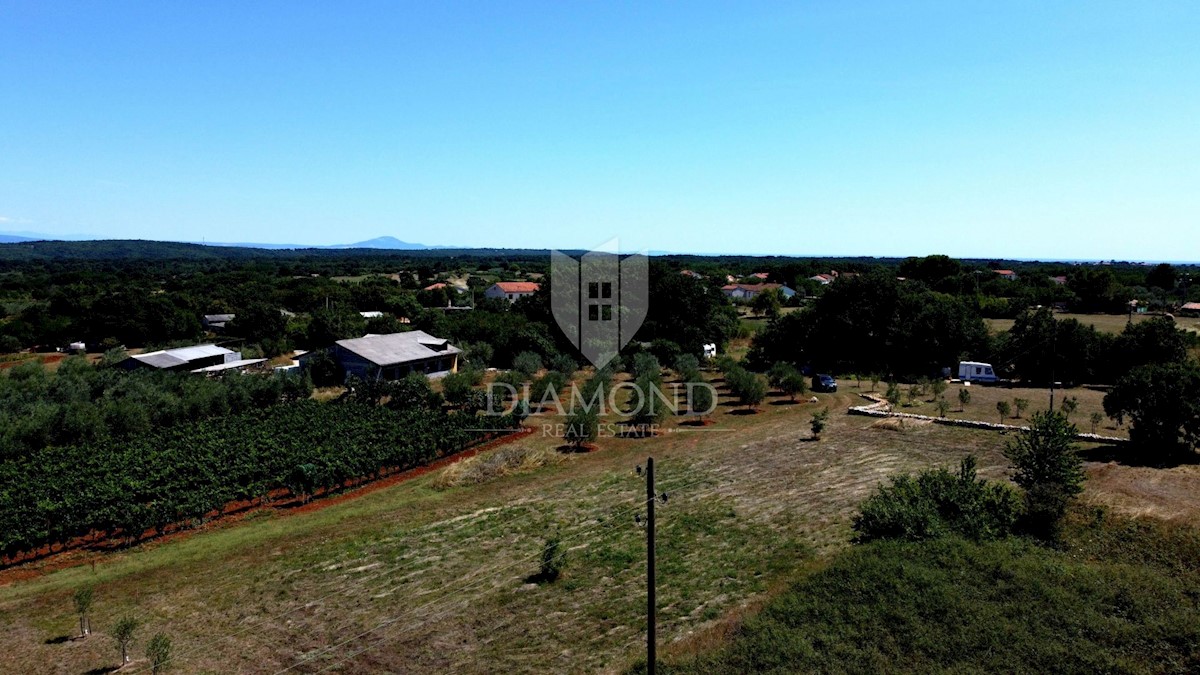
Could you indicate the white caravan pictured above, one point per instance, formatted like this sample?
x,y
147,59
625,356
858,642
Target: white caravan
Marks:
x,y
974,371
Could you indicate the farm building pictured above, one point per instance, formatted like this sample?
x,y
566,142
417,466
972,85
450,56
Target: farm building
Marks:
x,y
394,355
1189,309
749,291
511,290
195,359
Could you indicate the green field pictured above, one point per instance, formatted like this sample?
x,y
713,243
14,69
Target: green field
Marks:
x,y
422,578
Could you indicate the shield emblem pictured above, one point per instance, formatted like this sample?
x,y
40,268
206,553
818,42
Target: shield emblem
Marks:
x,y
600,300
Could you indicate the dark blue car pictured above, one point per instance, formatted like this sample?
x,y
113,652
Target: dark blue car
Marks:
x,y
825,383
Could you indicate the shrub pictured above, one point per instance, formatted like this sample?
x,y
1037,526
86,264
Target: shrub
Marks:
x,y
686,363
645,363
527,363
158,652
553,559
456,387
936,503
564,364
964,399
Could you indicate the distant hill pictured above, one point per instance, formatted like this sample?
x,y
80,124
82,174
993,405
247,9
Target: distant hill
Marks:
x,y
12,239
390,243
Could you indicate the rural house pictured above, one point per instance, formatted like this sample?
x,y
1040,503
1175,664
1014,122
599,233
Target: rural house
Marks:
x,y
393,356
749,291
511,290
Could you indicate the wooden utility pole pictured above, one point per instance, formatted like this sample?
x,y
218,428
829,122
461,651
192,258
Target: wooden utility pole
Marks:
x,y
651,497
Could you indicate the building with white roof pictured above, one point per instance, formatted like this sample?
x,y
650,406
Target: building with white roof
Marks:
x,y
394,355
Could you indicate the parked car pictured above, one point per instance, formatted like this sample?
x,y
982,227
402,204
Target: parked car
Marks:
x,y
825,383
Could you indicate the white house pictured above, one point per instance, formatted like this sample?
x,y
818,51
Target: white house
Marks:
x,y
749,291
511,290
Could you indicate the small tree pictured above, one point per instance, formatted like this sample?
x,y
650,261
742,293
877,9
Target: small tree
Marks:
x,y
938,388
818,422
747,387
83,606
1020,405
1004,409
583,426
553,558
893,394
964,399
1047,467
158,651
700,397
943,407
874,381
1097,418
123,635
1069,405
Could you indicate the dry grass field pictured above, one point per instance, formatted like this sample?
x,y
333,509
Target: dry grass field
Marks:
x,y
1105,323
432,575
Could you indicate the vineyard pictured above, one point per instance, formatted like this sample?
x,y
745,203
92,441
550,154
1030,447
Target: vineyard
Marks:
x,y
180,474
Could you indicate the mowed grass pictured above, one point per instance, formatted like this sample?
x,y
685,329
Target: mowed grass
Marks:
x,y
984,399
413,578
1123,596
1105,323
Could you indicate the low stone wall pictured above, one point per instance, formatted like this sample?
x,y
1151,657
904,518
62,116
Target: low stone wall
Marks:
x,y
879,407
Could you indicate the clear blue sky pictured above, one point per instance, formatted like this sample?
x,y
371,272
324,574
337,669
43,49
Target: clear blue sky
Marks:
x,y
1053,130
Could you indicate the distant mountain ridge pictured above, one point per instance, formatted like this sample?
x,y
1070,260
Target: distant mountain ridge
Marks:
x,y
384,243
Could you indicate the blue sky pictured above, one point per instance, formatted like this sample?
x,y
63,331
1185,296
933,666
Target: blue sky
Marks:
x,y
1051,130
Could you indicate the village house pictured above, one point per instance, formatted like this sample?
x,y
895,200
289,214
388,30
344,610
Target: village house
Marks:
x,y
511,290
749,291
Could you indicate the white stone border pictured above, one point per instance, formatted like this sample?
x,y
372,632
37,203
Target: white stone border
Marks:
x,y
879,407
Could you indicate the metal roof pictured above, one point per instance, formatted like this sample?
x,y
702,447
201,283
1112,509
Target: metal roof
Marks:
x,y
396,348
172,358
228,365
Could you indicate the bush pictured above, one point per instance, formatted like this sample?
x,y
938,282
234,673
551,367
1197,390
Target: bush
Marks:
x,y
936,503
456,387
553,559
527,363
564,364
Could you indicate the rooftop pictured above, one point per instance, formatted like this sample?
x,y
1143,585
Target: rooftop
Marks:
x,y
518,286
396,348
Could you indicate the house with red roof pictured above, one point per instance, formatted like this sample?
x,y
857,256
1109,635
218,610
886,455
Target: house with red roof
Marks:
x,y
1007,274
511,290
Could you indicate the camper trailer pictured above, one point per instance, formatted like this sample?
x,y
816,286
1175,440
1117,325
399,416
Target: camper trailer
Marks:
x,y
974,371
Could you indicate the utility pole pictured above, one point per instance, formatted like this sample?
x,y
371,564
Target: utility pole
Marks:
x,y
651,497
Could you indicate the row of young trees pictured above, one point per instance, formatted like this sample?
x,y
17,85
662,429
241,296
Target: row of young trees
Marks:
x,y
183,473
